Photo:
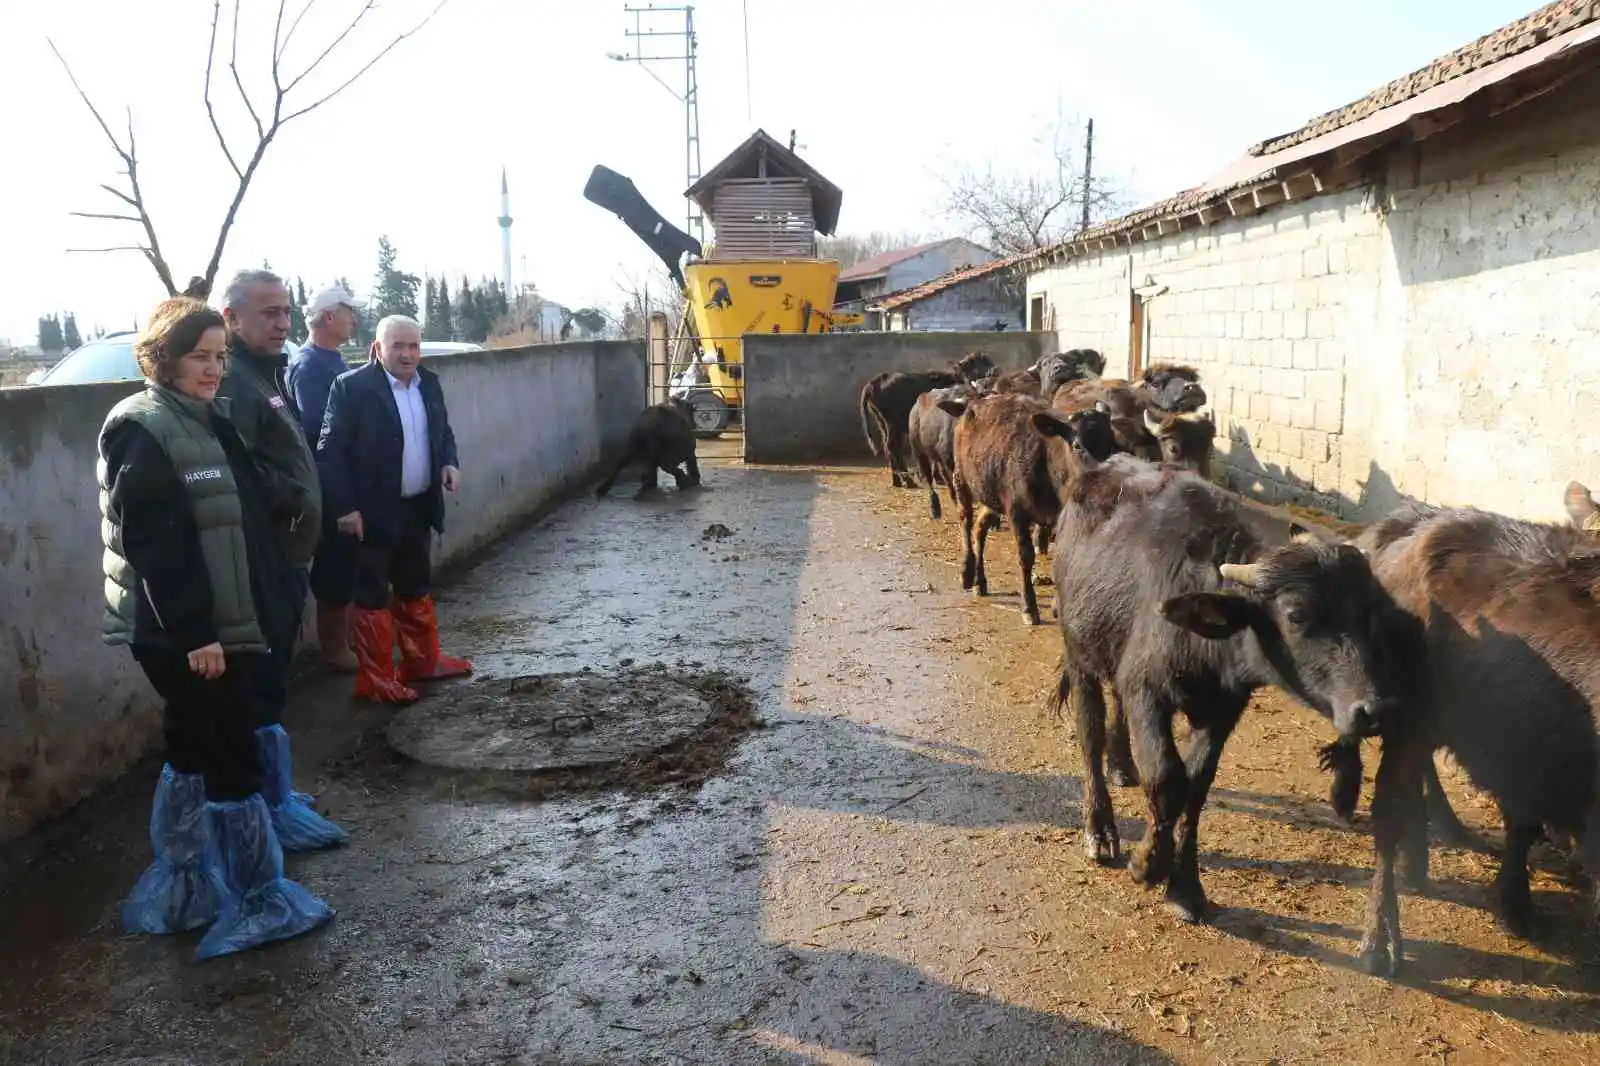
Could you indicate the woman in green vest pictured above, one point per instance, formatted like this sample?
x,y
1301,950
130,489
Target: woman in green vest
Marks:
x,y
191,571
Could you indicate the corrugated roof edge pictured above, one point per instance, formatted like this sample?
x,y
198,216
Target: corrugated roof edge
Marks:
x,y
1530,31
1288,177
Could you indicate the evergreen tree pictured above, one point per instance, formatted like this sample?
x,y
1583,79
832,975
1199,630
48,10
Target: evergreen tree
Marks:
x,y
299,330
50,339
466,312
366,320
396,290
70,339
430,306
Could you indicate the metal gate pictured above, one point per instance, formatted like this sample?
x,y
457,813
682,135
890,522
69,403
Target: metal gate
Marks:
x,y
694,368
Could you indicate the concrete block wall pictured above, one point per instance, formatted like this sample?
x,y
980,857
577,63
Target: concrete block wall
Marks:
x,y
1495,326
531,424
1087,305
1430,336
802,391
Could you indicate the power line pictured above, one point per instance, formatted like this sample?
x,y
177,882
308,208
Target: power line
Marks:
x,y
745,7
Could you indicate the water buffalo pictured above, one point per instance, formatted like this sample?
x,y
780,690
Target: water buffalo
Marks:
x,y
933,438
1043,378
1164,390
663,438
1178,605
1508,683
1013,457
886,403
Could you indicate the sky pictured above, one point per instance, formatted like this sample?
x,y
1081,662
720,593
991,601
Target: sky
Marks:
x,y
885,96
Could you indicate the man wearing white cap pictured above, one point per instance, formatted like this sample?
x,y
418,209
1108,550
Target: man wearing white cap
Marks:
x,y
331,315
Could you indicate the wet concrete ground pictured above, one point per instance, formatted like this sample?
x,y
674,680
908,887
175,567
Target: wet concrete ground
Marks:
x,y
888,870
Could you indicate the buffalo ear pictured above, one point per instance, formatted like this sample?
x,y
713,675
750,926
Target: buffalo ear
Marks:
x,y
1213,615
1051,426
954,408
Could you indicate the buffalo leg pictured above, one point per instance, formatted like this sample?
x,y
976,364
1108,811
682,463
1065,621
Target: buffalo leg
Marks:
x,y
1516,898
1100,842
900,476
927,475
987,520
1045,533
692,465
651,482
1396,799
616,471
1119,749
1024,532
969,559
1185,895
1166,787
1442,817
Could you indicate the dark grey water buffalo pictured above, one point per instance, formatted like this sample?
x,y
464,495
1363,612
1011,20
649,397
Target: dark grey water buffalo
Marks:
x,y
1169,597
886,403
662,438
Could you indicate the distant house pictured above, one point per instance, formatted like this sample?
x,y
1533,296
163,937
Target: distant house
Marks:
x,y
904,268
983,297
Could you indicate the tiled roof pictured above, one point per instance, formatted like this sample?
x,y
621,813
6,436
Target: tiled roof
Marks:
x,y
879,265
1281,159
1549,21
895,300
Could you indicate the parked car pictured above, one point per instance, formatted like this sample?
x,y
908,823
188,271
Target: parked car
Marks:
x,y
110,358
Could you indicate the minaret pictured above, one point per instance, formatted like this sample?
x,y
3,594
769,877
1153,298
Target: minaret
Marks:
x,y
505,235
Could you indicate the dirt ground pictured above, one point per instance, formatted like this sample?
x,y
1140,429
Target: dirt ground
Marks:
x,y
886,869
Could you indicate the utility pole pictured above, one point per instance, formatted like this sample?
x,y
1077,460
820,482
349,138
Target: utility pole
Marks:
x,y
690,98
1088,169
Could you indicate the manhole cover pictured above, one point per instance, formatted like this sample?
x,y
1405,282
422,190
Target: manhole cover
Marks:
x,y
569,722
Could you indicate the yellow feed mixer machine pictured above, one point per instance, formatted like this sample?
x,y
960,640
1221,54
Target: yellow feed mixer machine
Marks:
x,y
760,274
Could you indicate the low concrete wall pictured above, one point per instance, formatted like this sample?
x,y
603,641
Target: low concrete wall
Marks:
x,y
531,424
803,392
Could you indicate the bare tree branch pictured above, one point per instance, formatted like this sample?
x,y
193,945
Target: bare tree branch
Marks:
x,y
315,63
283,46
113,248
370,64
238,82
211,113
119,194
266,128
1023,211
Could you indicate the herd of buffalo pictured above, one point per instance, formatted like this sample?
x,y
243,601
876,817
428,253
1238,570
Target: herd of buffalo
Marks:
x,y
1435,628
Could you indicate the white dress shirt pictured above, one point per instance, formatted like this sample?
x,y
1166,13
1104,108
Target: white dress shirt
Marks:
x,y
416,473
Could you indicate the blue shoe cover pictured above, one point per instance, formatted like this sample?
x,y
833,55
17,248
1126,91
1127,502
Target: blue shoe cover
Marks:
x,y
175,893
299,828
259,904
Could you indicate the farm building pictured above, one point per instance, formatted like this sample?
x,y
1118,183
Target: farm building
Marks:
x,y
1399,299
983,297
904,268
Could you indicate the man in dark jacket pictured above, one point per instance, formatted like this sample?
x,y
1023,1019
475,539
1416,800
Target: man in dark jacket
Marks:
x,y
388,456
256,307
331,315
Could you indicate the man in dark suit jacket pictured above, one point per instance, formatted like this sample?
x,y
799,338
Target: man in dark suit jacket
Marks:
x,y
387,456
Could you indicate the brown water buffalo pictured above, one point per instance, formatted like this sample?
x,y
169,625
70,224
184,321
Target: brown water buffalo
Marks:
x,y
1043,378
1178,605
662,438
1509,683
933,438
1163,390
886,403
1013,457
